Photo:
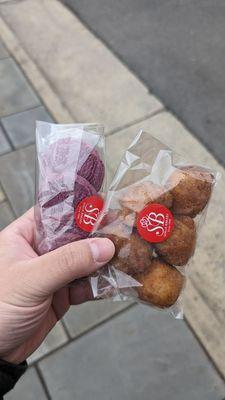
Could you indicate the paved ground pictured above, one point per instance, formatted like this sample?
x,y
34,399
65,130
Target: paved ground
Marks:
x,y
88,356
177,48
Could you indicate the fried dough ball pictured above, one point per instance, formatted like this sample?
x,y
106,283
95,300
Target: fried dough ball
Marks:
x,y
162,284
123,215
132,254
180,245
116,228
191,189
128,217
137,196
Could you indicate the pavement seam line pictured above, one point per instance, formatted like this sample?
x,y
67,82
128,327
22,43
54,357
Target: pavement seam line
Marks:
x,y
85,332
7,137
137,121
66,330
211,361
203,298
42,381
46,93
215,352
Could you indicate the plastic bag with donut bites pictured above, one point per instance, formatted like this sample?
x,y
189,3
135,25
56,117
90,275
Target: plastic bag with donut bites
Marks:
x,y
70,175
153,210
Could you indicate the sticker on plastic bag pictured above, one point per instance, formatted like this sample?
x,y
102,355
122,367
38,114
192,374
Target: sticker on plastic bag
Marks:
x,y
87,212
155,223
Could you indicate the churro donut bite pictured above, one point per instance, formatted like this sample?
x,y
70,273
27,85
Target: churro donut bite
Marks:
x,y
161,284
132,254
137,196
191,188
180,245
123,215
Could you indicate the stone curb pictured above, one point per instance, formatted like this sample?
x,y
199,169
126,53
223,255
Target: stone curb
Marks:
x,y
48,96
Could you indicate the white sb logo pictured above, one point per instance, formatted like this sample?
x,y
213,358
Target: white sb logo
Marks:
x,y
91,214
154,223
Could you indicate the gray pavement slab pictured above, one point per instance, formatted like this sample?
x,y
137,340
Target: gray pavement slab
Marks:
x,y
85,316
2,195
6,214
21,127
3,51
29,387
17,170
16,94
55,338
177,48
91,83
4,144
140,354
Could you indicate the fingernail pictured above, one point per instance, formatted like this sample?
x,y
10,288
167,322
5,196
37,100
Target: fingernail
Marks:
x,y
102,249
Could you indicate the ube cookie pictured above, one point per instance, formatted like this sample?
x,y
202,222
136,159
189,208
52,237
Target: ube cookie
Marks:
x,y
55,188
54,222
78,157
45,245
92,168
57,226
82,189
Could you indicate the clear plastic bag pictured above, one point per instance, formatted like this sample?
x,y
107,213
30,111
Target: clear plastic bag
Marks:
x,y
153,211
70,167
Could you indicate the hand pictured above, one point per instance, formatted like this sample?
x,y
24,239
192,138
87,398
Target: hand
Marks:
x,y
33,296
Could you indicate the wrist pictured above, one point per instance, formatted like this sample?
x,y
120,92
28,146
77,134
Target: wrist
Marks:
x,y
13,357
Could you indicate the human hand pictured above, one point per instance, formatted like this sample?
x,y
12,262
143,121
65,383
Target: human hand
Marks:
x,y
33,296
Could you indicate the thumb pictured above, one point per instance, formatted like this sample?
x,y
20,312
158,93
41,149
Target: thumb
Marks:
x,y
56,269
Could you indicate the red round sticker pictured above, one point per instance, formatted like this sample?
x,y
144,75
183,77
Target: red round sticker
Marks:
x,y
155,223
87,212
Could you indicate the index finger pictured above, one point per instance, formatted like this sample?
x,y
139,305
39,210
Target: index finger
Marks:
x,y
24,225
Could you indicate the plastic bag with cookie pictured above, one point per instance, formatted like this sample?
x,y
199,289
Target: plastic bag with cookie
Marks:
x,y
153,212
70,177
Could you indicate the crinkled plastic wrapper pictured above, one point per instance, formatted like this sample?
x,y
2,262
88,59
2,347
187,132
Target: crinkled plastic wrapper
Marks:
x,y
70,167
153,211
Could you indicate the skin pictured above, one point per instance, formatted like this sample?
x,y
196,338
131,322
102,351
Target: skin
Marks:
x,y
33,292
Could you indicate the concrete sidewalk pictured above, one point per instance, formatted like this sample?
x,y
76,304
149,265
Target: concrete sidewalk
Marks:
x,y
176,48
71,75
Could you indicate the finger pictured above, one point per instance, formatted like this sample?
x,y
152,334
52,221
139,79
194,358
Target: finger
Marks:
x,y
24,226
80,292
61,302
56,269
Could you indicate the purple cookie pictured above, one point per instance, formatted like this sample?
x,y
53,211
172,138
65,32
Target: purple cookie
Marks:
x,y
70,170
82,189
55,188
76,156
45,246
92,169
55,223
